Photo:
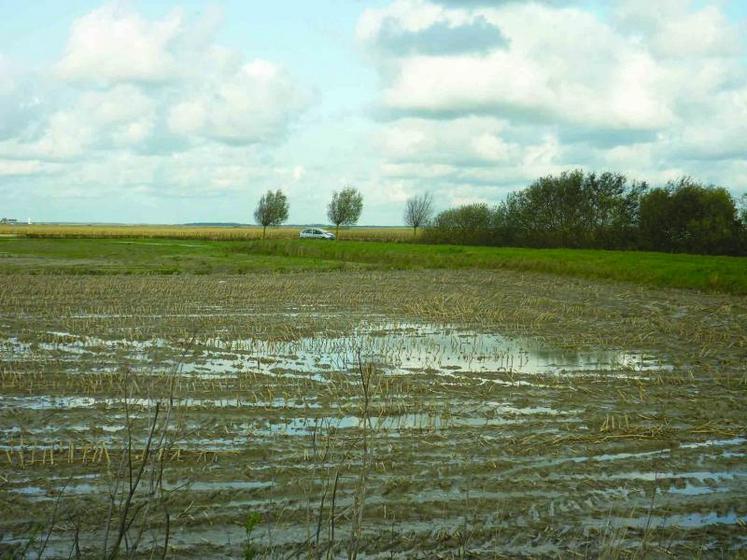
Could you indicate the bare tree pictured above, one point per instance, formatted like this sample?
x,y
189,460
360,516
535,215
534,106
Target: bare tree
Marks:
x,y
345,207
272,210
418,211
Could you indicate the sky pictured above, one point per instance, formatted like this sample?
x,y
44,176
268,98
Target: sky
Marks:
x,y
175,112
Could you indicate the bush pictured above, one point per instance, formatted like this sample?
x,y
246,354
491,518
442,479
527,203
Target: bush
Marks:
x,y
472,224
602,211
686,216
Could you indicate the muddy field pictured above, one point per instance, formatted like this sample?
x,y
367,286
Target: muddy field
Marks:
x,y
377,414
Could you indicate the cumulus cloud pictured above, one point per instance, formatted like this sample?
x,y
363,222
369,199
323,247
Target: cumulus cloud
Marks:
x,y
21,100
539,75
17,168
473,159
146,105
414,29
672,28
114,43
242,104
476,98
466,141
651,89
122,116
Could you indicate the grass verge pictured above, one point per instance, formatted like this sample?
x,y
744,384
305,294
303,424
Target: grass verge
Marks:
x,y
701,272
169,256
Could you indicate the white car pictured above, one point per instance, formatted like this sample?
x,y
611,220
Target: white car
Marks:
x,y
316,233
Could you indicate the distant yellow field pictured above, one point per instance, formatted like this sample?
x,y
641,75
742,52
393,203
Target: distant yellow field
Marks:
x,y
197,232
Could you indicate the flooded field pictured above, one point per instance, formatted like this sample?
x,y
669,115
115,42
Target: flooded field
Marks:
x,y
380,414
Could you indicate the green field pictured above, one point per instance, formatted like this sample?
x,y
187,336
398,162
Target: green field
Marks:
x,y
169,256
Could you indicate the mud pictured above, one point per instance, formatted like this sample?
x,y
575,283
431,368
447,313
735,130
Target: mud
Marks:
x,y
498,422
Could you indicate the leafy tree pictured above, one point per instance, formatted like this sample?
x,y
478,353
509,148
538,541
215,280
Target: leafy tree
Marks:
x,y
611,219
470,224
345,208
573,209
272,210
418,211
655,221
686,216
603,210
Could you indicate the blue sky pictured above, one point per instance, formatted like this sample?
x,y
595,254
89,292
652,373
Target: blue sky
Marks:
x,y
169,112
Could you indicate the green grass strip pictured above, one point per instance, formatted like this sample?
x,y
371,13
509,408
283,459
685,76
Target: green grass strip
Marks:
x,y
163,256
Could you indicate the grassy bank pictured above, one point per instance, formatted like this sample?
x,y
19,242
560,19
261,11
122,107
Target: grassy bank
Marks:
x,y
170,256
708,273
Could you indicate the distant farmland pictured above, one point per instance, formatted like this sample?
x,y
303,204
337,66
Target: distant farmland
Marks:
x,y
225,233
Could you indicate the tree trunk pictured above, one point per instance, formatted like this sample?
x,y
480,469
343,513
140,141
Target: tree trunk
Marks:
x,y
264,230
337,231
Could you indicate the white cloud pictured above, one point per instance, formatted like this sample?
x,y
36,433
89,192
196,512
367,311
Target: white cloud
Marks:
x,y
121,116
20,100
473,159
409,15
207,91
466,141
187,117
11,168
702,33
673,28
242,104
653,90
114,43
491,147
119,104
298,172
592,77
124,115
476,98
157,94
66,136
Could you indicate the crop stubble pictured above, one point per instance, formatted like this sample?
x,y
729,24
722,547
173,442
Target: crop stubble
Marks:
x,y
510,414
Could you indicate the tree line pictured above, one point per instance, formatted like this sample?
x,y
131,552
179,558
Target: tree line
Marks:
x,y
343,210
602,211
575,209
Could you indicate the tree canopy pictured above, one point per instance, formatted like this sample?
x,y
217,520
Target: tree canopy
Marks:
x,y
272,210
345,207
685,216
578,209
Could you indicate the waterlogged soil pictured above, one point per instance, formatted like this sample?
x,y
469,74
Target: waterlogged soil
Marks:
x,y
399,414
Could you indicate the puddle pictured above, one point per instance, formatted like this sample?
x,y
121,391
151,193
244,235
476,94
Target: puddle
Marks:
x,y
462,412
50,402
86,488
402,348
699,483
398,348
685,520
623,456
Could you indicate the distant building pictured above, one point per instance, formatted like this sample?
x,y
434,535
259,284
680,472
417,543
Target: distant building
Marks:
x,y
8,221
